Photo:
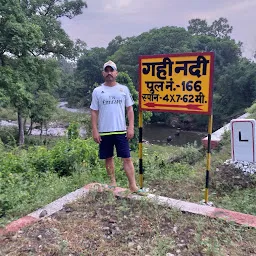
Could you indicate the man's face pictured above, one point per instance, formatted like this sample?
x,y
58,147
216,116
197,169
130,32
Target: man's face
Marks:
x,y
109,74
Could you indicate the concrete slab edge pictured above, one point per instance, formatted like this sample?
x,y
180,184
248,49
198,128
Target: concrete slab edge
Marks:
x,y
45,211
57,205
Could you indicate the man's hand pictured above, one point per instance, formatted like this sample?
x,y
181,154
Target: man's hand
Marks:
x,y
96,136
130,133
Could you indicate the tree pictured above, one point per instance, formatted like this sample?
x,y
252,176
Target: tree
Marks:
x,y
219,28
114,45
198,27
29,30
42,109
87,74
156,41
66,85
236,89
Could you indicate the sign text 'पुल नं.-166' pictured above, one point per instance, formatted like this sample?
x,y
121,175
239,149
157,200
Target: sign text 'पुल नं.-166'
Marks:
x,y
176,82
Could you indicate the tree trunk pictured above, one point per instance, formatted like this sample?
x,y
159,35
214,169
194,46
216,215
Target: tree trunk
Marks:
x,y
46,128
21,129
41,130
30,127
24,125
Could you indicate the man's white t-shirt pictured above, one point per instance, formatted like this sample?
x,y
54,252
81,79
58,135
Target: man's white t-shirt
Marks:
x,y
111,101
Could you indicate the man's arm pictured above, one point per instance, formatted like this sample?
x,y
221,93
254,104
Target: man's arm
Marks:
x,y
94,120
130,129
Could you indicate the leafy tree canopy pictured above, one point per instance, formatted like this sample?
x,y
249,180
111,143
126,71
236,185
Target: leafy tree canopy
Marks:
x,y
219,28
30,30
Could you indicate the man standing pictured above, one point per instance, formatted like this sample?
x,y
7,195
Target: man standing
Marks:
x,y
109,101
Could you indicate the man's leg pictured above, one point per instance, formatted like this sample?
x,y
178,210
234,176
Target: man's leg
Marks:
x,y
110,167
130,173
123,151
106,151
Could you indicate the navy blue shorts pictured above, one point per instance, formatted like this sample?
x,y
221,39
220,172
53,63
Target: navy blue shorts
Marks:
x,y
108,142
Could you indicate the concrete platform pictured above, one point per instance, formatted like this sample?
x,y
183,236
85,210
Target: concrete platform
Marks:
x,y
57,205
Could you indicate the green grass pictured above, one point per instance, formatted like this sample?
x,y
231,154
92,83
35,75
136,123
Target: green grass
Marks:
x,y
176,172
64,116
101,224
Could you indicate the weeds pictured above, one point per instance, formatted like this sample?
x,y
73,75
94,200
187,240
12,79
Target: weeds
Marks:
x,y
101,224
34,177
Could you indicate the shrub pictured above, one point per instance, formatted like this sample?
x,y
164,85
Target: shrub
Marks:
x,y
9,135
66,154
23,172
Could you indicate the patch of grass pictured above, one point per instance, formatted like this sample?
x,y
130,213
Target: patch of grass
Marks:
x,y
241,201
24,198
64,116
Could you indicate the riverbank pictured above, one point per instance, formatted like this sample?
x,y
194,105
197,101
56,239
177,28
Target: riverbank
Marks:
x,y
58,125
160,134
153,133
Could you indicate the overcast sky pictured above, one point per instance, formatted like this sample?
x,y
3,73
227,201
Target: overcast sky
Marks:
x,y
103,20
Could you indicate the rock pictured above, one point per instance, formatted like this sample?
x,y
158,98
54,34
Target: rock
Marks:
x,y
43,214
169,138
247,168
139,248
131,244
175,229
68,209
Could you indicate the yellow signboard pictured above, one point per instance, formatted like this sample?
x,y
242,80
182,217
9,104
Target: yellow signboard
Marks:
x,y
176,82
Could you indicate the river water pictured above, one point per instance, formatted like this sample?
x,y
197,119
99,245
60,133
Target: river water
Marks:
x,y
153,133
158,134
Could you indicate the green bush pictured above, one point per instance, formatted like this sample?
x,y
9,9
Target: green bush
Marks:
x,y
73,131
66,154
40,159
9,135
24,173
